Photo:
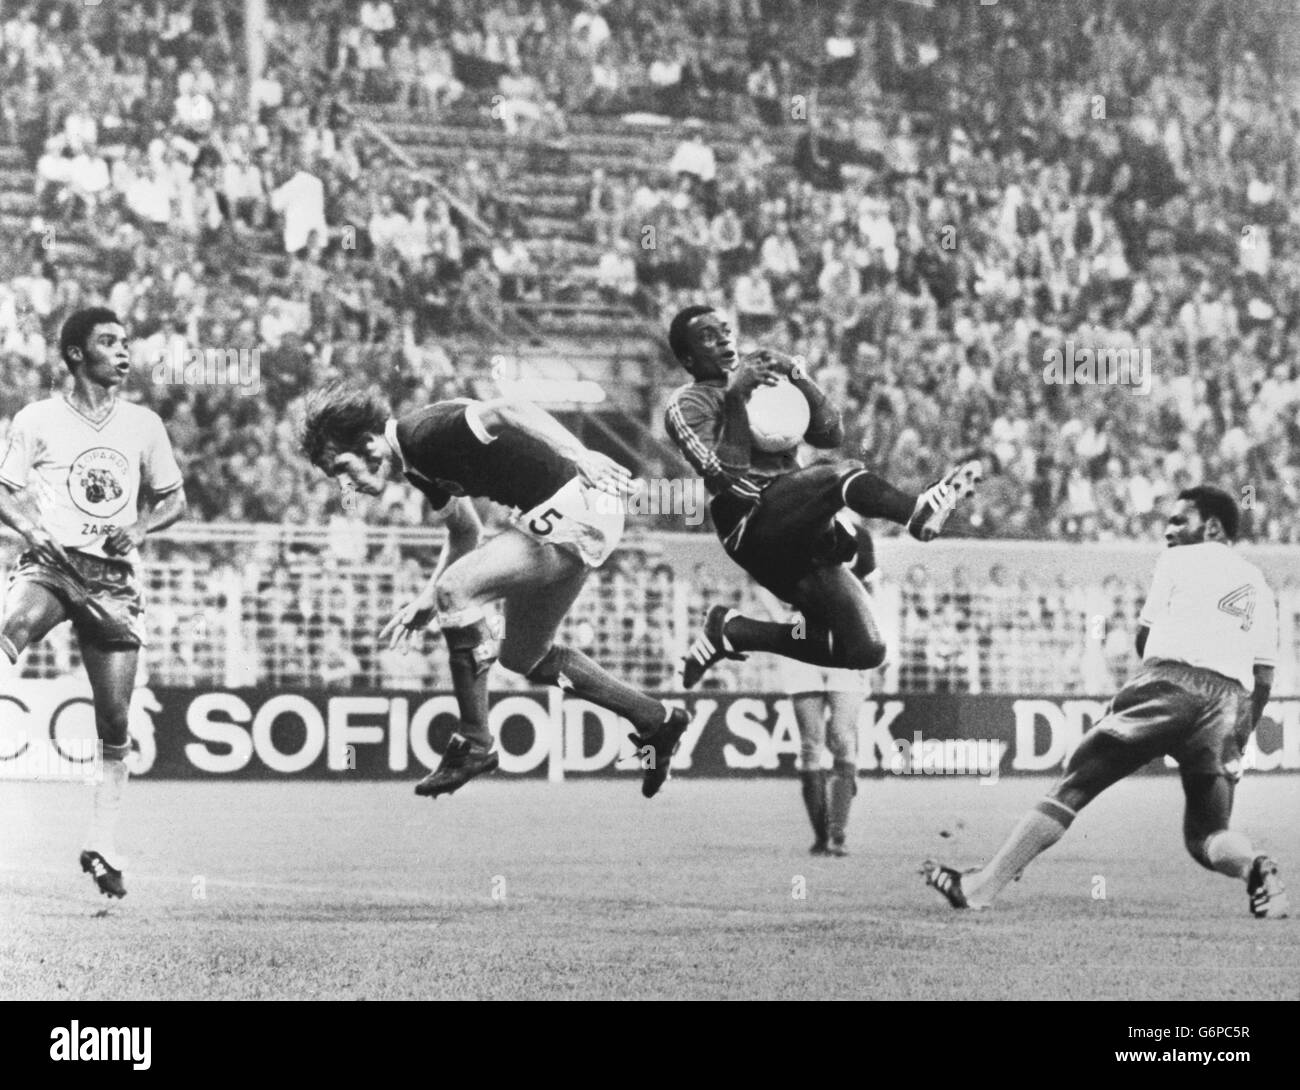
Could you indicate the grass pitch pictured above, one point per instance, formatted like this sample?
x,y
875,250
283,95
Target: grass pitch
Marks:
x,y
586,890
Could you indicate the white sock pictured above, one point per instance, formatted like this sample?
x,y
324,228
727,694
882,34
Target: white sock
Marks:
x,y
1037,831
1230,853
101,836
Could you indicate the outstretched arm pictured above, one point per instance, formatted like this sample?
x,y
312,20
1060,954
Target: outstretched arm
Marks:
x,y
532,420
535,422
464,531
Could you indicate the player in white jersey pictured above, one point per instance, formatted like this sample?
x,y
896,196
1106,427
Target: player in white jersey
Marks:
x,y
85,476
1208,631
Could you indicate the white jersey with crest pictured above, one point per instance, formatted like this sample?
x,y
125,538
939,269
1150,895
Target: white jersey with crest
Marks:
x,y
1210,607
86,477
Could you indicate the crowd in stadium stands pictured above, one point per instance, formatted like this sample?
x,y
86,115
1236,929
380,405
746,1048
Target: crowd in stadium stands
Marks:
x,y
969,188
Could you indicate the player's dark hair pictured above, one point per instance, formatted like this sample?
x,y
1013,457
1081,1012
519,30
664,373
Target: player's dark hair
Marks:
x,y
77,329
677,333
338,419
1214,502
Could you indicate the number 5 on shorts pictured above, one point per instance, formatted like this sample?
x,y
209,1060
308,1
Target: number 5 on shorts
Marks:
x,y
544,523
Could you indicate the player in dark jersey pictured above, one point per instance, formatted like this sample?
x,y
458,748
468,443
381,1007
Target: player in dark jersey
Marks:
x,y
777,520
568,519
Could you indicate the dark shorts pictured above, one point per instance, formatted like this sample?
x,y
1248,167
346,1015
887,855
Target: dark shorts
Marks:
x,y
113,584
790,530
1200,718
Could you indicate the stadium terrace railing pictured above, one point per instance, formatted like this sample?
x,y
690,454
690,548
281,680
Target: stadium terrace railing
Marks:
x,y
241,604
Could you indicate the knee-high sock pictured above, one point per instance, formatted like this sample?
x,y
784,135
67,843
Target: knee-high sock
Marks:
x,y
844,785
574,672
874,497
1037,831
1230,853
471,651
813,785
107,805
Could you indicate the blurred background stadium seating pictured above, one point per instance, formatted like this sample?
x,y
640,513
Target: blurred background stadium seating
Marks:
x,y
920,198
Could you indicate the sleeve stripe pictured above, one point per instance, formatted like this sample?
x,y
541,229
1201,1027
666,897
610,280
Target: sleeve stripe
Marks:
x,y
704,459
692,446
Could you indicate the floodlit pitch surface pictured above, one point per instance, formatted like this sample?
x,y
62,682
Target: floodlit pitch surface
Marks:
x,y
528,890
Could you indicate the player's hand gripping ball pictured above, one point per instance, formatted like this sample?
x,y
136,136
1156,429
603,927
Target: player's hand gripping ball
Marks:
x,y
778,416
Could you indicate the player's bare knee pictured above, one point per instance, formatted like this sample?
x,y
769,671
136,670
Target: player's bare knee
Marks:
x,y
544,671
527,663
113,730
865,656
1072,793
844,751
1195,845
115,751
514,663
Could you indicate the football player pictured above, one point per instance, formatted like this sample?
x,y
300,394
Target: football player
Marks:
x,y
85,477
1208,640
568,518
778,520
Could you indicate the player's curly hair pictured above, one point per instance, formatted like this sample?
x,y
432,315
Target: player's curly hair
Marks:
x,y
337,419
1211,502
677,333
78,328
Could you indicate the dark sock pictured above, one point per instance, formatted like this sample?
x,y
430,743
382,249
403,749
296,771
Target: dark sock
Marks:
x,y
471,653
800,640
874,497
813,784
844,785
576,673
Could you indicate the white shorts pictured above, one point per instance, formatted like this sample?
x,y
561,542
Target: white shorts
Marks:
x,y
803,677
579,518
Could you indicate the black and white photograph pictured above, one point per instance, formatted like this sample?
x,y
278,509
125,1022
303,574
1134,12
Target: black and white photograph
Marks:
x,y
644,500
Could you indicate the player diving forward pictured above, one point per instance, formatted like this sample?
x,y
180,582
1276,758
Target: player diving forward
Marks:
x,y
85,477
568,519
777,520
1207,630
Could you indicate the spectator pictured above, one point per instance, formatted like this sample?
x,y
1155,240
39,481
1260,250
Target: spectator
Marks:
x,y
301,201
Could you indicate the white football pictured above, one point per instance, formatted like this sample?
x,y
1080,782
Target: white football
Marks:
x,y
778,416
